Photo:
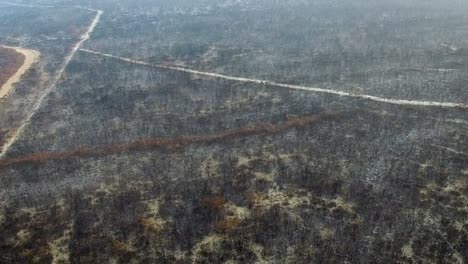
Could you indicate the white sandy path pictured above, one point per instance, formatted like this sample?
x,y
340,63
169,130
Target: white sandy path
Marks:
x,y
288,86
30,57
452,150
15,135
46,6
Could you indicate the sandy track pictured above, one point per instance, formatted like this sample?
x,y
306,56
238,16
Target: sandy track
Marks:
x,y
15,134
288,86
451,150
30,57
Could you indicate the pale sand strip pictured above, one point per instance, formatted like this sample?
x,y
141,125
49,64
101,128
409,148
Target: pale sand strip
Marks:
x,y
30,57
288,86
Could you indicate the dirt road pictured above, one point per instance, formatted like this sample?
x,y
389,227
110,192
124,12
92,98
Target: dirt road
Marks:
x,y
30,57
288,86
57,77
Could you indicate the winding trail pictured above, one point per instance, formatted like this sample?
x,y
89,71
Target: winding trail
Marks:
x,y
30,57
57,77
288,86
174,143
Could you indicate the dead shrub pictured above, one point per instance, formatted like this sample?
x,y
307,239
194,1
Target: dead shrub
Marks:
x,y
151,224
216,202
229,224
119,246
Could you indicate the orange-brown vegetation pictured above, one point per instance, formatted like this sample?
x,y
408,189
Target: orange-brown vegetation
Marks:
x,y
26,253
150,224
228,224
119,246
171,143
255,198
43,251
216,202
10,62
29,253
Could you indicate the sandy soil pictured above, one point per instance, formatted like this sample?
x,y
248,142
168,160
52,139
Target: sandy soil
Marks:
x,y
31,56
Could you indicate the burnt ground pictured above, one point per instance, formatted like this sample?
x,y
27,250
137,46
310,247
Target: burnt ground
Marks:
x,y
129,164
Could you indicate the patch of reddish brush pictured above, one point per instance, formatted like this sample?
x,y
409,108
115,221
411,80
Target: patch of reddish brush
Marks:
x,y
171,143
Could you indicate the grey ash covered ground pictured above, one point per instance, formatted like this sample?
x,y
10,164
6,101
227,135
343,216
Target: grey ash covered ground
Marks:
x,y
381,184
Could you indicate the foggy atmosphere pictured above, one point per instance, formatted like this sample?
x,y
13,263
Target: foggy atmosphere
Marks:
x,y
234,131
